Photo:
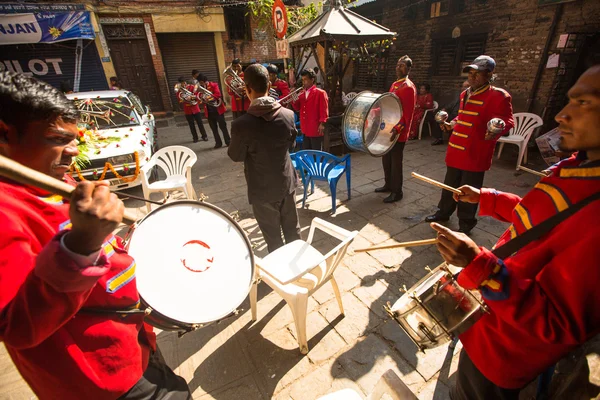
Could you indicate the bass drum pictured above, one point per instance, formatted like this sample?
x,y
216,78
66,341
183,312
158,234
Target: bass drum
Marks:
x,y
194,264
369,120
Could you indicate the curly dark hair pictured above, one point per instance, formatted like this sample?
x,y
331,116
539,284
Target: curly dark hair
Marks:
x,y
25,99
310,73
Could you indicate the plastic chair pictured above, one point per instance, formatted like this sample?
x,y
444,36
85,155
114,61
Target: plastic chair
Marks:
x,y
299,167
348,97
525,124
297,270
176,162
389,385
322,166
435,107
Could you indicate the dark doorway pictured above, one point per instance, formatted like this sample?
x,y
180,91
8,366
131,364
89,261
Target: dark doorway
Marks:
x,y
132,60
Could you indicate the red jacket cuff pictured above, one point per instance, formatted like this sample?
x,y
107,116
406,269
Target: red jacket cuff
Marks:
x,y
487,201
55,267
478,270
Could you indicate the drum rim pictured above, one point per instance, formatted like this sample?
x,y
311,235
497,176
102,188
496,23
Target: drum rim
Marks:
x,y
183,324
363,130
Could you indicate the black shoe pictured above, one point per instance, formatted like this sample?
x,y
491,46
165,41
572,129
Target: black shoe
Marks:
x,y
393,197
226,144
382,189
196,140
205,138
436,218
218,146
466,227
437,142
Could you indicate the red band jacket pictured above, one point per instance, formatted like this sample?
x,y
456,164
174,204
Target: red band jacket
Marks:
x,y
281,87
314,110
468,149
62,351
187,108
407,93
544,299
239,103
213,87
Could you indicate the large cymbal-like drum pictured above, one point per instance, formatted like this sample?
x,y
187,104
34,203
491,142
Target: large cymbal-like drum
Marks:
x,y
194,265
368,122
436,309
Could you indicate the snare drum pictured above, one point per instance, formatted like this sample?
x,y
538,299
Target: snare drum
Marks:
x,y
368,122
194,264
437,309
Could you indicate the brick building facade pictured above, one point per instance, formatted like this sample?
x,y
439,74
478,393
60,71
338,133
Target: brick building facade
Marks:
x,y
441,36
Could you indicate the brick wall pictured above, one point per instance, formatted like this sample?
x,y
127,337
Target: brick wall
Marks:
x,y
261,47
159,68
516,34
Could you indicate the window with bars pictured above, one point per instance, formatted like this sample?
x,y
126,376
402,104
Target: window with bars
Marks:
x,y
439,8
238,23
450,56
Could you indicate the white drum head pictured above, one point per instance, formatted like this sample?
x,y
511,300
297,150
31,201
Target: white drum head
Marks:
x,y
194,264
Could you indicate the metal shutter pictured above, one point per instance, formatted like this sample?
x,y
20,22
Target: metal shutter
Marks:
x,y
183,52
43,57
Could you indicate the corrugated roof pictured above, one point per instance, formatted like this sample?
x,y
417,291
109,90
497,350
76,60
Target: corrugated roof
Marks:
x,y
358,3
340,23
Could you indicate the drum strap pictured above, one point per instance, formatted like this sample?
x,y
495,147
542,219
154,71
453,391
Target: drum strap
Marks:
x,y
134,309
512,246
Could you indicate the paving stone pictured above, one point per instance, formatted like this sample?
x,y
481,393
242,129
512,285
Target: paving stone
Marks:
x,y
358,319
326,378
367,359
434,390
375,295
345,279
244,388
323,340
362,265
416,263
277,361
428,363
391,257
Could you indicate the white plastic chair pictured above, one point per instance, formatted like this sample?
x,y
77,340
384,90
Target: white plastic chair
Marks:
x,y
297,270
348,97
389,385
176,162
525,124
435,107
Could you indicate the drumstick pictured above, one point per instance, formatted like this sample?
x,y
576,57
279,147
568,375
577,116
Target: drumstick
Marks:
x,y
531,171
436,183
27,176
403,244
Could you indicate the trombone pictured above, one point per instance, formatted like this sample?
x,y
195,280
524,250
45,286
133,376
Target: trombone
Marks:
x,y
293,96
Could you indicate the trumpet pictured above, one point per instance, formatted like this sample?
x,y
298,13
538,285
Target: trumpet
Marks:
x,y
187,96
207,97
86,116
234,82
293,96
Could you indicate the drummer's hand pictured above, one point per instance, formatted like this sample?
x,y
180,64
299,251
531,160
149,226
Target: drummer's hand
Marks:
x,y
470,194
322,129
95,213
456,248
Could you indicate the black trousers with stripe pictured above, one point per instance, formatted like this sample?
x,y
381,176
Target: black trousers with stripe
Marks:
x,y
456,178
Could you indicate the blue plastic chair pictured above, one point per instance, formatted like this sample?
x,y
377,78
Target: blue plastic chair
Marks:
x,y
299,167
322,166
299,136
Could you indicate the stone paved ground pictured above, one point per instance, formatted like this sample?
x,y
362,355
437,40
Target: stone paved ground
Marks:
x,y
238,359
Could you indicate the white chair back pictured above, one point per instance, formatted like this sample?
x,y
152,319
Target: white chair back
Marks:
x,y
174,160
525,124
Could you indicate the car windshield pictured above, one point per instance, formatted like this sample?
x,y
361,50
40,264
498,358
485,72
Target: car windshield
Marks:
x,y
107,112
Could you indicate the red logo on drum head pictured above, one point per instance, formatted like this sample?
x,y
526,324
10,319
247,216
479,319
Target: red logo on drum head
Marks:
x,y
197,256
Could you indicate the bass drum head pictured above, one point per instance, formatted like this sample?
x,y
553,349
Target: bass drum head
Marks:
x,y
194,263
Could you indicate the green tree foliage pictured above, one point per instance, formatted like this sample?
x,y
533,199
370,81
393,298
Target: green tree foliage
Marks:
x,y
298,17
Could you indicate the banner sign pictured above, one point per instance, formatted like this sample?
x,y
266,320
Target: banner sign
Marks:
x,y
282,48
45,27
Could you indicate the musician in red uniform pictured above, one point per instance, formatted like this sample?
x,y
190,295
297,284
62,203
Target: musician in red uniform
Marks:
x,y
280,86
406,91
543,299
239,105
191,109
62,272
215,114
471,146
313,105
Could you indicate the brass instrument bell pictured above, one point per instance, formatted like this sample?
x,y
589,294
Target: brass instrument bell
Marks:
x,y
441,117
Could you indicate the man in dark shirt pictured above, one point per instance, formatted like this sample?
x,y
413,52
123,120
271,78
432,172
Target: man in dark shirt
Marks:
x,y
452,110
261,138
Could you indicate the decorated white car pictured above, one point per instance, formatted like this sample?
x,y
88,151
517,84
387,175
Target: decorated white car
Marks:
x,y
117,136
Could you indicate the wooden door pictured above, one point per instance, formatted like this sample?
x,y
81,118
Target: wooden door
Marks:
x,y
133,63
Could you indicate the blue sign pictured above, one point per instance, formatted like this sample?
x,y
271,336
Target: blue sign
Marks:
x,y
45,27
